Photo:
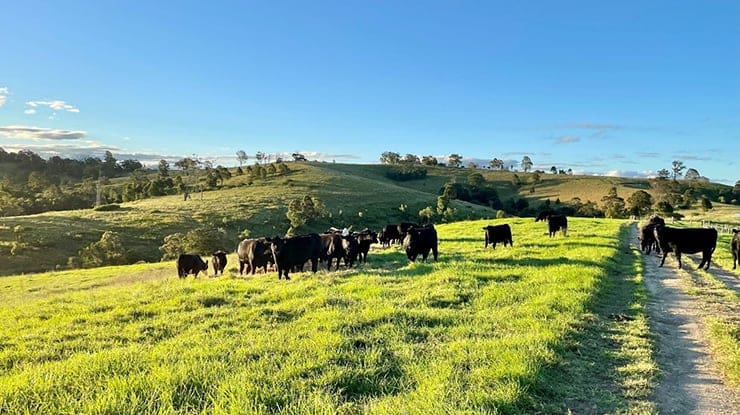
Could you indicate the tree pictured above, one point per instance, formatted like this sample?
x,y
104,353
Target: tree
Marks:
x,y
163,168
390,157
613,204
108,250
260,156
411,158
454,160
303,211
476,180
241,157
640,203
664,208
497,164
570,172
663,174
706,204
553,170
526,163
298,157
130,165
691,174
472,165
429,161
677,168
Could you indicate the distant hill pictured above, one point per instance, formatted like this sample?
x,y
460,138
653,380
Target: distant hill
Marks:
x,y
356,196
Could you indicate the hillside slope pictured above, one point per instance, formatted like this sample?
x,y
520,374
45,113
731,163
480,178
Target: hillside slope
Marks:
x,y
355,195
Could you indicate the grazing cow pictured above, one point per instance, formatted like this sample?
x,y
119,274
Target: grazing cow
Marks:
x,y
403,229
365,238
498,233
735,245
555,222
219,262
688,240
191,264
388,235
295,251
331,248
420,240
647,239
253,254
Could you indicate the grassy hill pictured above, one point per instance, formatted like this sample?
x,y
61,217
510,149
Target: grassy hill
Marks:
x,y
355,195
523,329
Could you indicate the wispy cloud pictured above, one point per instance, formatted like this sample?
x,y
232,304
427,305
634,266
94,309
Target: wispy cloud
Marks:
x,y
567,139
40,133
30,111
649,155
3,95
55,105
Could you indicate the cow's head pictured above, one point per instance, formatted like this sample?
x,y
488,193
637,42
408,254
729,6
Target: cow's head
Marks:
x,y
544,215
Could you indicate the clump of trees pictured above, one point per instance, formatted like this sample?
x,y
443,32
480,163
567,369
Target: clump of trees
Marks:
x,y
109,250
304,211
202,240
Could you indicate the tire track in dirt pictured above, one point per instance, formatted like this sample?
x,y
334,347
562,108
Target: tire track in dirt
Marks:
x,y
689,383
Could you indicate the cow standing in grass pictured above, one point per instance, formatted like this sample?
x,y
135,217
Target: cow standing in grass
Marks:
x,y
191,264
294,252
735,247
647,238
498,233
555,222
218,260
253,254
419,241
686,241
365,238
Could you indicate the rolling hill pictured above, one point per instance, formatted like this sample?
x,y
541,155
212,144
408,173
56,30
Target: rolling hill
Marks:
x,y
355,195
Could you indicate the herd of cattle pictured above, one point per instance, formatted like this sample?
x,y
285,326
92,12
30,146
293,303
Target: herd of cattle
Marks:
x,y
292,253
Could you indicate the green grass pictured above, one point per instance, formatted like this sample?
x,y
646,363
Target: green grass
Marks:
x,y
511,330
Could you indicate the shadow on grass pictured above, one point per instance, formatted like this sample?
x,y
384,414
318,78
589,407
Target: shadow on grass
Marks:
x,y
585,376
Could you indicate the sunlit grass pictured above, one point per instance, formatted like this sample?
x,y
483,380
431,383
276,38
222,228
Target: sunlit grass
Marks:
x,y
476,332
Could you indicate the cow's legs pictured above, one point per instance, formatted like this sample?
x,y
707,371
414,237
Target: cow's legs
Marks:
x,y
678,257
662,261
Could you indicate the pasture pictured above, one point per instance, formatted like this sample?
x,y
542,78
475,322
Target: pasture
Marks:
x,y
511,330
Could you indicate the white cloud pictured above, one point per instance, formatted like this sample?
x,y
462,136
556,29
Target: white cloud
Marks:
x,y
3,99
30,111
567,139
3,95
4,90
56,105
39,133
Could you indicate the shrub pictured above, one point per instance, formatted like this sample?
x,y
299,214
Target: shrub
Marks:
x,y
107,208
406,172
500,214
203,240
107,251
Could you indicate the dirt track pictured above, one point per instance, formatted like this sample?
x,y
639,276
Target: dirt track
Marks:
x,y
688,383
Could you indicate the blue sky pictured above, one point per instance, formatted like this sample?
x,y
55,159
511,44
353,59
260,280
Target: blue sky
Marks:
x,y
599,87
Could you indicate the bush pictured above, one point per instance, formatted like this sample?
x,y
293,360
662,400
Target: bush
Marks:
x,y
107,251
406,172
107,208
500,214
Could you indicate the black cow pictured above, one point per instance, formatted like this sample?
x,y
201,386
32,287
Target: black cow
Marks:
x,y
735,245
218,260
647,238
191,264
403,229
688,240
295,251
351,248
498,233
389,235
555,222
253,254
331,248
365,238
419,241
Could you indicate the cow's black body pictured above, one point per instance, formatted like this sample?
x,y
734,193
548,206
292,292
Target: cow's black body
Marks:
x,y
190,264
218,260
686,241
419,241
498,233
295,251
